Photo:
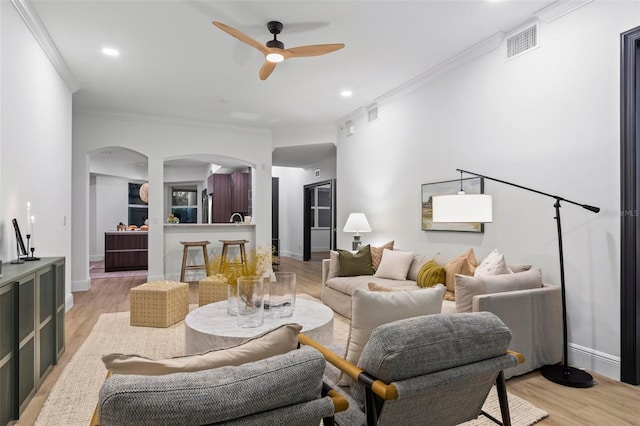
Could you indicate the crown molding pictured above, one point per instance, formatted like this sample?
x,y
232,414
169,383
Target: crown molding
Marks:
x,y
37,28
165,119
559,8
485,46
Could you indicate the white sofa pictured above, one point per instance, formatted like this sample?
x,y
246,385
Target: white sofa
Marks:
x,y
534,316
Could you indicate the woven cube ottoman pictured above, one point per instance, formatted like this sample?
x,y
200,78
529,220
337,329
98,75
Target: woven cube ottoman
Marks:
x,y
159,303
212,289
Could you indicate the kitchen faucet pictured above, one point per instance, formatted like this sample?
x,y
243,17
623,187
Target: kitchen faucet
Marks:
x,y
234,215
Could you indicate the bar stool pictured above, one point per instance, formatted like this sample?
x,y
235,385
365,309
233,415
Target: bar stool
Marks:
x,y
185,255
243,255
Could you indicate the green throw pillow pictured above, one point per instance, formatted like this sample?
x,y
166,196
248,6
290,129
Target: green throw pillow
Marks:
x,y
353,264
431,274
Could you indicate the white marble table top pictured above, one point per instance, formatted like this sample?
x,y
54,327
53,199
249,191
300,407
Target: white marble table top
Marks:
x,y
210,327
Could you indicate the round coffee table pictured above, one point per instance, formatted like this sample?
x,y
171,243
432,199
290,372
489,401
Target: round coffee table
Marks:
x,y
210,327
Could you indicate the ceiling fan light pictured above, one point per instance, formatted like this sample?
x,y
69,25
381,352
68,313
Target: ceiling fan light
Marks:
x,y
275,57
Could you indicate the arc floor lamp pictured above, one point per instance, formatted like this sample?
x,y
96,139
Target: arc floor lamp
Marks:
x,y
477,208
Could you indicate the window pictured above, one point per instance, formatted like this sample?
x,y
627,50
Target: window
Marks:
x,y
138,210
321,207
184,203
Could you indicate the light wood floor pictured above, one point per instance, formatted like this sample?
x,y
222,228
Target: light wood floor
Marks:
x,y
609,402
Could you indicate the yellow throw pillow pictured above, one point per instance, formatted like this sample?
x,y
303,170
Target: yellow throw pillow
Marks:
x,y
274,342
465,264
376,254
431,274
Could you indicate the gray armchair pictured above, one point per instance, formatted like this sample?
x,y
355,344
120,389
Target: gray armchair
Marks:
x,y
283,389
428,370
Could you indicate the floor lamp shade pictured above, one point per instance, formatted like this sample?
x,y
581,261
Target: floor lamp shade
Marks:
x,y
468,208
357,222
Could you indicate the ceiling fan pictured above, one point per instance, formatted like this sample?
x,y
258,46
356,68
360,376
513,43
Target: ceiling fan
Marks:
x,y
274,50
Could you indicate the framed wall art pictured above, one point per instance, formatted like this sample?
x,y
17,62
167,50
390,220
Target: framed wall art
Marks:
x,y
474,185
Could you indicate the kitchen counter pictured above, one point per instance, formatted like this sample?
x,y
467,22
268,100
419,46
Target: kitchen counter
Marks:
x,y
212,232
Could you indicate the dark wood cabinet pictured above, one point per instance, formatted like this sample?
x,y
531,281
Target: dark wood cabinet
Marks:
x,y
229,194
240,192
32,306
125,251
221,198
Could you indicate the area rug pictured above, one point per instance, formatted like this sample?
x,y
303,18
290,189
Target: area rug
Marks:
x,y
73,398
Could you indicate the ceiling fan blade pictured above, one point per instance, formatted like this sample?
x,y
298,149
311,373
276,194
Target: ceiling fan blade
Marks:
x,y
267,69
241,36
314,50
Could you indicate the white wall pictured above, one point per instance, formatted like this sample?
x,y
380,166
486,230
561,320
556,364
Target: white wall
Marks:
x,y
547,120
160,140
35,144
112,207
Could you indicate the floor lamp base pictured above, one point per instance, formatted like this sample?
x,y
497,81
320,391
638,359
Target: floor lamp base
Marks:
x,y
567,376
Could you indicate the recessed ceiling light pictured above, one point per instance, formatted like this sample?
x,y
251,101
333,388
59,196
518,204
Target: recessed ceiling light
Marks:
x,y
109,51
346,93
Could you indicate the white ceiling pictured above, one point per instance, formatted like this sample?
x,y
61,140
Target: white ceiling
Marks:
x,y
175,63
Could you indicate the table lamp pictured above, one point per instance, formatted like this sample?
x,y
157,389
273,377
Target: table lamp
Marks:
x,y
357,222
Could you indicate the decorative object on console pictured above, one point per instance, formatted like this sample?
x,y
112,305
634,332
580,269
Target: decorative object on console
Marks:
x,y
357,222
560,373
172,219
21,251
430,191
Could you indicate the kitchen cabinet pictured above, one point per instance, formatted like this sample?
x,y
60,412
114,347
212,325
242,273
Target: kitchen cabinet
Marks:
x,y
240,192
125,250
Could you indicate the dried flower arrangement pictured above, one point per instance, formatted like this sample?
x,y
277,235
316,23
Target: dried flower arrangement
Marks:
x,y
258,264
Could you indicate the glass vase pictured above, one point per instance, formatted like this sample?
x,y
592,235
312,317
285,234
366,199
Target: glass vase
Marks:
x,y
232,300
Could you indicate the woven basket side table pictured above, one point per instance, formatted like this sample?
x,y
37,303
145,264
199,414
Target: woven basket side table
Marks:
x,y
159,303
212,289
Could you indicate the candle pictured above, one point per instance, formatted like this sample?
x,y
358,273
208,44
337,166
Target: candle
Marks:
x,y
29,218
32,220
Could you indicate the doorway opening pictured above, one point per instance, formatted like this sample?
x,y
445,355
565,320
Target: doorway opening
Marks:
x,y
319,230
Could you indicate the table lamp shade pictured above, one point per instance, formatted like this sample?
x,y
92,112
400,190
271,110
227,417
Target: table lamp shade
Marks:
x,y
357,222
468,208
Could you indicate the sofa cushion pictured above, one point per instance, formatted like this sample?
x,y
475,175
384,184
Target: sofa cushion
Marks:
x,y
274,342
467,287
394,265
371,309
379,287
348,285
493,264
376,254
358,263
334,264
418,262
464,264
431,274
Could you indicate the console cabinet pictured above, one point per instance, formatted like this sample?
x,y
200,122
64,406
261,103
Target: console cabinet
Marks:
x,y
32,306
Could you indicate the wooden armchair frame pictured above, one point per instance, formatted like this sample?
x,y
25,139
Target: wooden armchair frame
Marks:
x,y
377,392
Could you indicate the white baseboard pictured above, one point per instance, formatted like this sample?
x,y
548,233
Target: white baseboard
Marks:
x,y
80,285
96,258
162,278
291,254
68,302
593,360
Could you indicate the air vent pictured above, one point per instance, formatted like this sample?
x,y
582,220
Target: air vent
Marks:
x,y
522,41
316,173
372,114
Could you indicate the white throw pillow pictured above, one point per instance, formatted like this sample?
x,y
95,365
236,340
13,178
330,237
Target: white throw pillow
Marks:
x,y
273,342
493,264
371,309
394,264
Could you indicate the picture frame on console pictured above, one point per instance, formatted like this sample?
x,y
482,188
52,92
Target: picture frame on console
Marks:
x,y
472,185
